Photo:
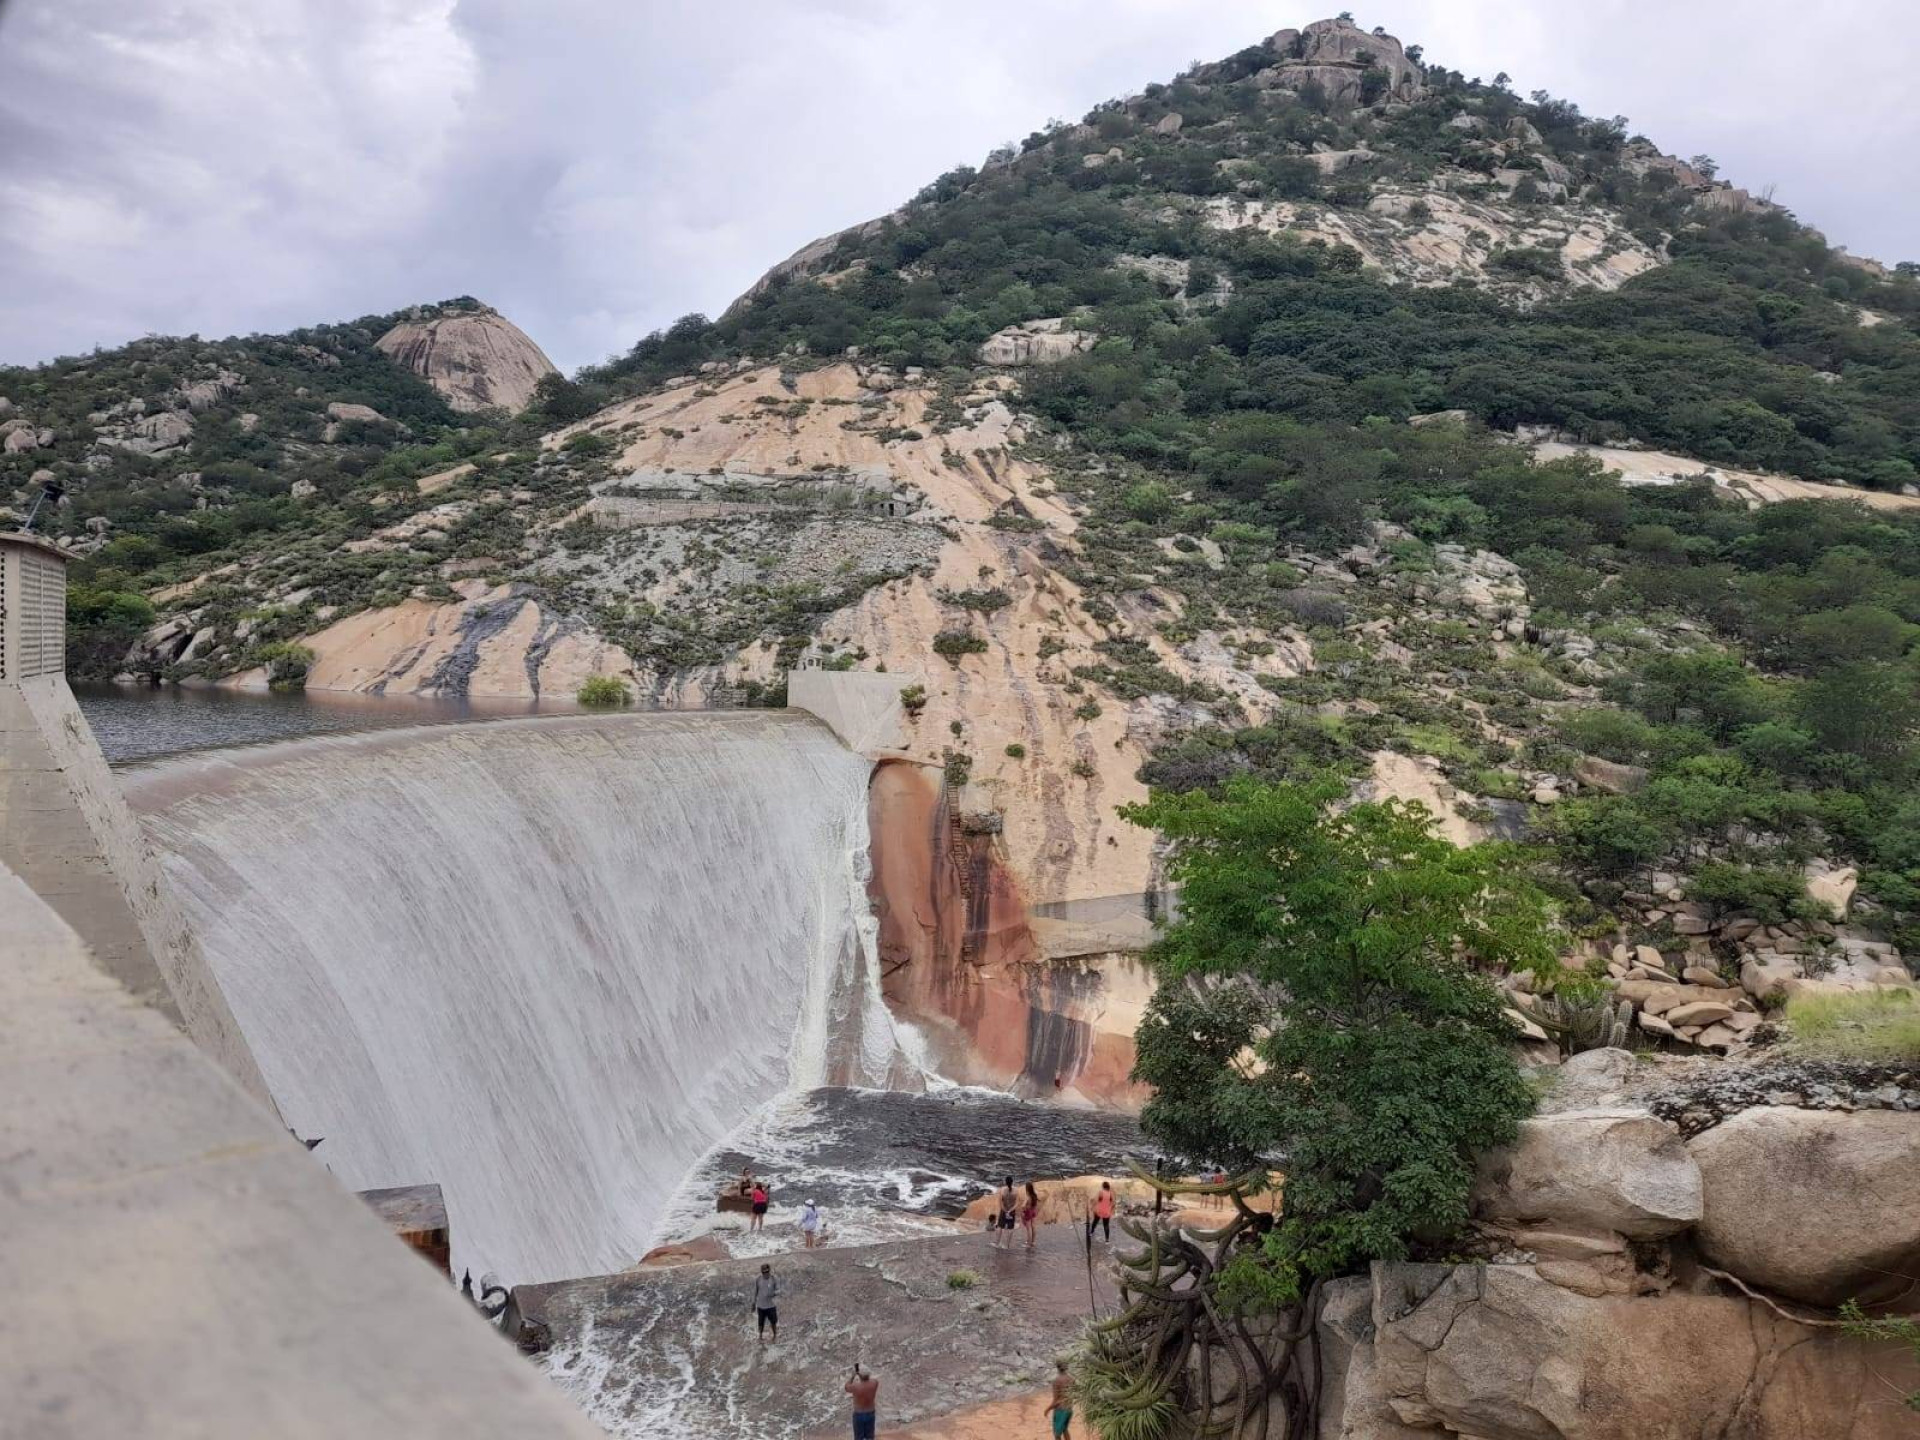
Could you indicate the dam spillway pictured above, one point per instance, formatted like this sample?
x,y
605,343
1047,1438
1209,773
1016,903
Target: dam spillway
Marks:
x,y
545,964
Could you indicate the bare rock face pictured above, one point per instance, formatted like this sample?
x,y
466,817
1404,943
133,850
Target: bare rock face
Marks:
x,y
1614,1169
1037,342
1819,1206
1502,1353
1353,1403
478,359
1832,887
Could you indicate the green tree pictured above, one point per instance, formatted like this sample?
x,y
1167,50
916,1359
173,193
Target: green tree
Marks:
x,y
1864,709
1322,999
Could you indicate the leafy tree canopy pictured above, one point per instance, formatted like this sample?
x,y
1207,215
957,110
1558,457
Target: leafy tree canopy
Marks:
x,y
1322,1001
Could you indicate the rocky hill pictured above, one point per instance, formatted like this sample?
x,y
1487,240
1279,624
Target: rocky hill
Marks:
x,y
1321,410
478,359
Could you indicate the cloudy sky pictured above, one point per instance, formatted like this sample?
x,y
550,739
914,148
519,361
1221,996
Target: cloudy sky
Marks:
x,y
596,168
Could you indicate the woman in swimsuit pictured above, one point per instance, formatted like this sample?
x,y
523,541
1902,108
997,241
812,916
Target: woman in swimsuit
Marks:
x,y
1030,1215
759,1207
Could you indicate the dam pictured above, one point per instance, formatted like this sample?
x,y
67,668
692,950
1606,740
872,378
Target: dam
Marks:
x,y
547,964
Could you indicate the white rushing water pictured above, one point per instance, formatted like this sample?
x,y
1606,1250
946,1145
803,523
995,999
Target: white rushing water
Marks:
x,y
545,964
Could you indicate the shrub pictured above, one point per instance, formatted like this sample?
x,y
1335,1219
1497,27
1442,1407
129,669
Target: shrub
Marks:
x,y
963,1279
287,665
985,601
1533,261
1016,751
1769,893
1313,607
913,698
954,643
603,692
1087,710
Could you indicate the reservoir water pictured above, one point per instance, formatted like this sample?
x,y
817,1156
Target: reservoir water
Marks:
x,y
145,722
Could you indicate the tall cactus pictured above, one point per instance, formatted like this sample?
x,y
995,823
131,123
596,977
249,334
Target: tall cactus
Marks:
x,y
1584,1024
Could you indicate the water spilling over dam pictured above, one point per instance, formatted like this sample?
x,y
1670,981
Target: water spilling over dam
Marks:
x,y
546,964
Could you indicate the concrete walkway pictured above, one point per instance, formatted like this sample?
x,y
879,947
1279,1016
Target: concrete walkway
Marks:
x,y
177,1267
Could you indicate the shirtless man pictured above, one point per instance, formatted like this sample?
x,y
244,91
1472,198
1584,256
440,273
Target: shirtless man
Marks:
x,y
864,1389
1060,1407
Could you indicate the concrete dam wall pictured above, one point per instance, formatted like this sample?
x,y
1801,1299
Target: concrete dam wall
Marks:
x,y
546,964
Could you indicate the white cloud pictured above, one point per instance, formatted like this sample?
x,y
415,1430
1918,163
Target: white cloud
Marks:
x,y
600,167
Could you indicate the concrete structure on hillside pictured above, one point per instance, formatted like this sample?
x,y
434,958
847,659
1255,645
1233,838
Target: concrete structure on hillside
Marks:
x,y
66,831
177,1265
861,707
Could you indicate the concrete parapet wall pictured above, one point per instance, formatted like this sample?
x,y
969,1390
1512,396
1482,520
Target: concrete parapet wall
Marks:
x,y
860,706
177,1265
66,831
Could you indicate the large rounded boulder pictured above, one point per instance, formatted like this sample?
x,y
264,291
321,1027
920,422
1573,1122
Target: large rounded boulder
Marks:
x,y
1616,1168
1820,1206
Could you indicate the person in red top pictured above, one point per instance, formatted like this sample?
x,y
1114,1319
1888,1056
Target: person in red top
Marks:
x,y
759,1207
1102,1216
865,1390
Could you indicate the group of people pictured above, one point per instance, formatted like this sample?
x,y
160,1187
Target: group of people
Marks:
x,y
1015,1209
813,1225
1021,1209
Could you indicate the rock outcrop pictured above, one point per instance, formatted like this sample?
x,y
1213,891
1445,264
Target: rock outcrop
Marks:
x,y
1037,342
1818,1206
150,434
1501,1353
1336,55
1615,1169
478,359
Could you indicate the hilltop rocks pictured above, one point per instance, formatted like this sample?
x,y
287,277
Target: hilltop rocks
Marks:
x,y
1614,1169
1818,1206
1037,342
1336,55
477,359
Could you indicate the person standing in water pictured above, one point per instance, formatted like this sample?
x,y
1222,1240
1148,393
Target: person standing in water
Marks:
x,y
1102,1216
865,1391
1060,1406
1030,1215
766,1304
1009,1204
810,1225
760,1202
